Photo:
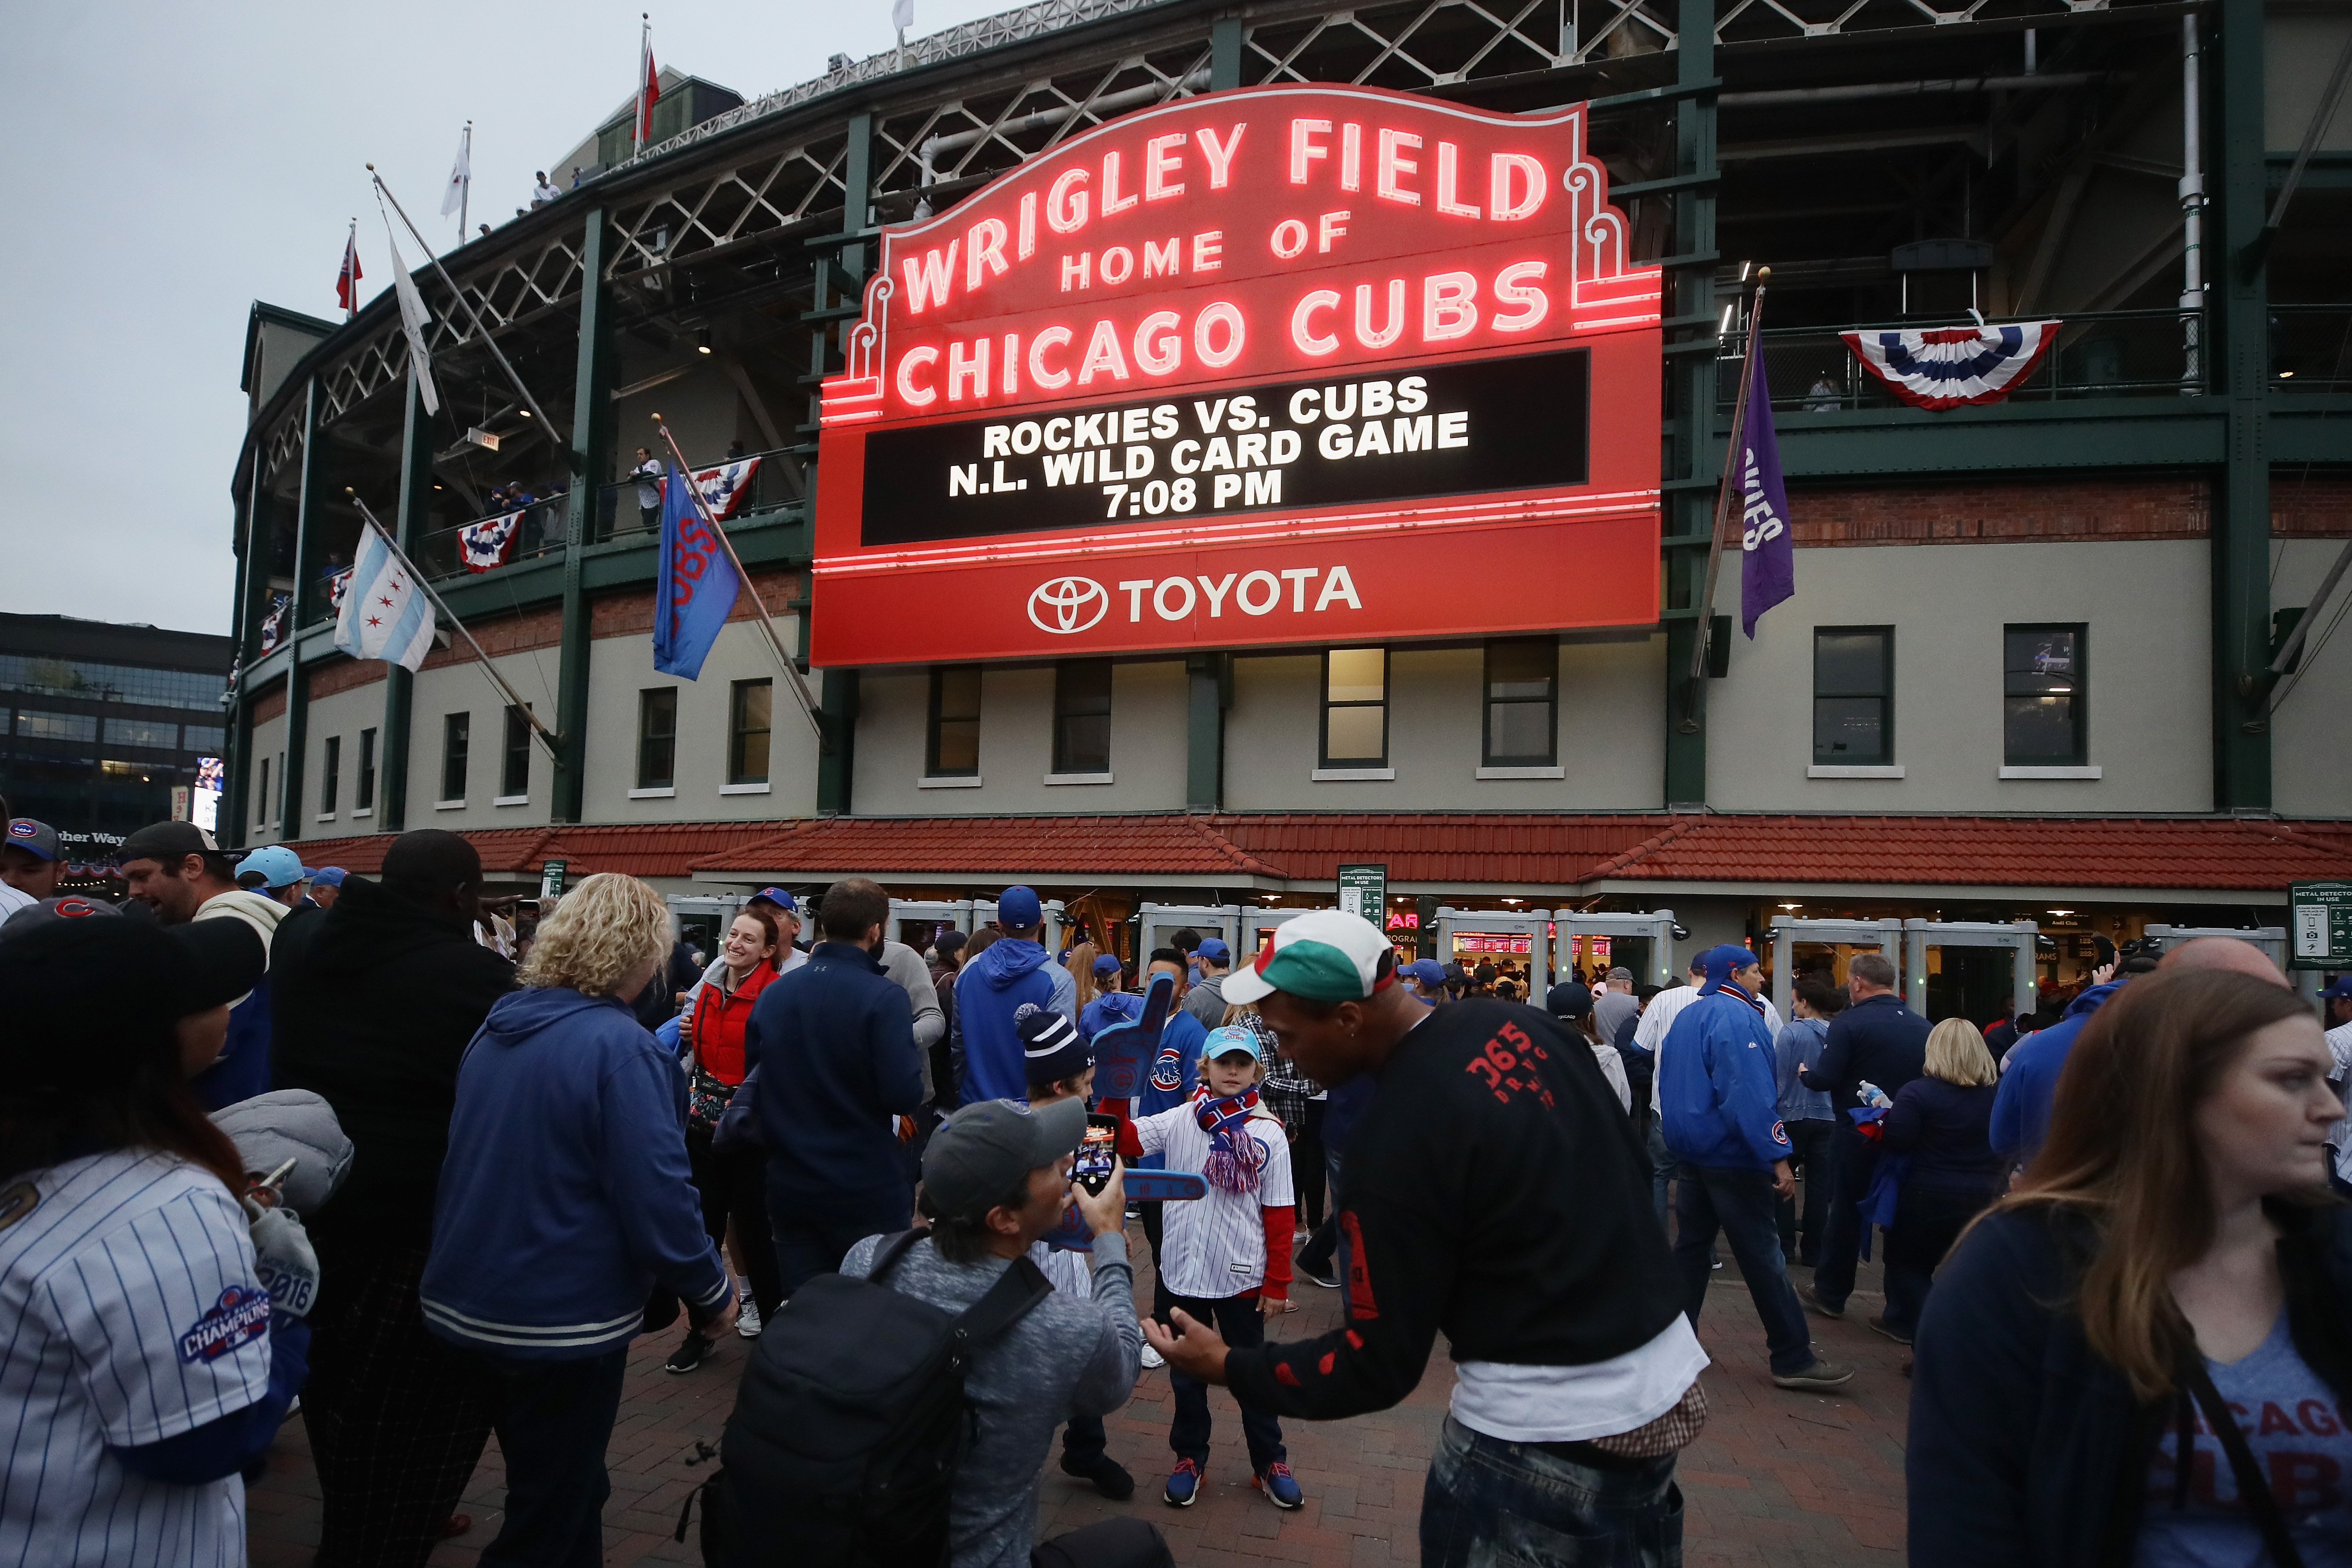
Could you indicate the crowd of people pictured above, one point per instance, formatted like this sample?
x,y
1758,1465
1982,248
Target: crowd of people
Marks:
x,y
2110,1244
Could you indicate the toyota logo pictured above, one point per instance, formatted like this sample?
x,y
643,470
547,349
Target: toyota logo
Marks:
x,y
1067,605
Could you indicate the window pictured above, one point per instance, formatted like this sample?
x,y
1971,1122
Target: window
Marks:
x,y
1082,716
1356,708
514,763
748,704
363,788
163,737
1853,696
56,726
261,801
1522,702
954,749
2043,710
112,682
331,762
207,740
456,729
658,738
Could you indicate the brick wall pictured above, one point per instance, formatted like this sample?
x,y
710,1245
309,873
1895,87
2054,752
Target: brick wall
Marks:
x,y
2310,506
543,627
269,702
344,675
631,614
2007,511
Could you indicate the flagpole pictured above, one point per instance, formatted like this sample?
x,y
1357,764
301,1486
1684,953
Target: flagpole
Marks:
x,y
552,428
547,737
352,286
775,644
645,54
1731,480
466,185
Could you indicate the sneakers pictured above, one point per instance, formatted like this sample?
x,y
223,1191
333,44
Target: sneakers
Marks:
x,y
1881,1326
1823,1373
1152,1358
1281,1488
1109,1476
690,1353
1183,1485
1813,1303
746,1322
1329,1278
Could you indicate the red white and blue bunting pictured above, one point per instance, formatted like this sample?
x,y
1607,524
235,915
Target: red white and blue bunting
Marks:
x,y
491,542
337,586
724,486
273,624
1946,367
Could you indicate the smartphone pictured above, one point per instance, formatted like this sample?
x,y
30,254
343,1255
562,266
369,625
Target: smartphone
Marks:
x,y
1097,1151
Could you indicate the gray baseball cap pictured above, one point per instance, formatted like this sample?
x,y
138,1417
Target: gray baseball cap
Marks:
x,y
983,1151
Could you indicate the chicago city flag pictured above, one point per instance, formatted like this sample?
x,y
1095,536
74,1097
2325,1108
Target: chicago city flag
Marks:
x,y
385,614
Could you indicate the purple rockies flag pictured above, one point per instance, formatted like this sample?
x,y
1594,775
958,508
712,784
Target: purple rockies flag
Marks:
x,y
1768,559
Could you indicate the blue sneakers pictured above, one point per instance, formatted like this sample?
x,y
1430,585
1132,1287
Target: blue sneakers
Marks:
x,y
1183,1485
1281,1488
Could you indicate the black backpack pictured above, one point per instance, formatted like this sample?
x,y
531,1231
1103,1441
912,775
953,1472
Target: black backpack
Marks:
x,y
849,1422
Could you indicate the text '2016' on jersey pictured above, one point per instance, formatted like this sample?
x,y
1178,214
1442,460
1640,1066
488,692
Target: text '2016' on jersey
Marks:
x,y
1383,351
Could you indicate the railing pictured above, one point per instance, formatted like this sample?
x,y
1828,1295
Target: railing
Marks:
x,y
2111,354
2311,348
622,510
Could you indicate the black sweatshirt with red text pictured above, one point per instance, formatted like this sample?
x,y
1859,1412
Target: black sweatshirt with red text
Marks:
x,y
1494,1189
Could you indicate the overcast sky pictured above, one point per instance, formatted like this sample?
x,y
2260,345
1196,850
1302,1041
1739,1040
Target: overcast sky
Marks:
x,y
179,161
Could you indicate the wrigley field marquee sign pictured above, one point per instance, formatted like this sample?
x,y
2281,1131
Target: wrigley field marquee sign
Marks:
x,y
1279,364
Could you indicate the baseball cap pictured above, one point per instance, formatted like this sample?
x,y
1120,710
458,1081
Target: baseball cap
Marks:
x,y
33,838
1050,1048
51,912
2341,987
1569,999
328,876
1329,955
777,896
1215,948
1426,972
1230,1041
113,987
167,842
1019,909
1721,962
1455,975
272,865
982,1150
1108,963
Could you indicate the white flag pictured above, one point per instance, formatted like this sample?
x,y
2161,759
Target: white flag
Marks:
x,y
385,615
902,14
415,321
459,173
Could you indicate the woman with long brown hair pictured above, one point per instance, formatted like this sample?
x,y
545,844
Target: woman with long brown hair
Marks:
x,y
2142,1354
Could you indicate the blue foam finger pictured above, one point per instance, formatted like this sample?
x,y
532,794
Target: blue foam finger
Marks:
x,y
1124,1050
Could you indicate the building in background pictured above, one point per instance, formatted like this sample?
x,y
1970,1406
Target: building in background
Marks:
x,y
2026,673
105,723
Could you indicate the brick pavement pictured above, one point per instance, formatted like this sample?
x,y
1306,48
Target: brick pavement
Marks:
x,y
1776,1480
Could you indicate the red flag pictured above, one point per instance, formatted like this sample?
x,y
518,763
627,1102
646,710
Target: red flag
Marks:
x,y
347,282
648,97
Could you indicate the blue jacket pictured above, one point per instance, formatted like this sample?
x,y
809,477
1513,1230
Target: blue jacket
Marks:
x,y
1718,1093
1110,1007
565,1197
1878,1039
836,1038
242,1069
2029,1080
990,993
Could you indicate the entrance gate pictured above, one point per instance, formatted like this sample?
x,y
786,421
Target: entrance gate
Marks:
x,y
983,912
2271,940
1965,989
1157,923
918,921
1884,936
1257,928
1462,936
1643,944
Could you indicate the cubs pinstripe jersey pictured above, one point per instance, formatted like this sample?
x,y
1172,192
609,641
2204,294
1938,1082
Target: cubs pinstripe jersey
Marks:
x,y
1214,1247
129,1312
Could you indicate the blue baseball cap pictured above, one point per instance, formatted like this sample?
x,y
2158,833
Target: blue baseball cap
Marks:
x,y
273,866
777,896
1230,1041
328,876
1426,973
2341,988
1108,963
1215,949
1019,909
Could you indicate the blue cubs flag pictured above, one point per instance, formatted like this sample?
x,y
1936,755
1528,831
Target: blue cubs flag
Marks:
x,y
694,591
1768,558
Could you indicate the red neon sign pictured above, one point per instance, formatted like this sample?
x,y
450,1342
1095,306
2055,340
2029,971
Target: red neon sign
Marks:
x,y
1279,365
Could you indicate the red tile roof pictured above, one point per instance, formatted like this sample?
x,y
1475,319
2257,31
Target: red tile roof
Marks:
x,y
666,849
1139,847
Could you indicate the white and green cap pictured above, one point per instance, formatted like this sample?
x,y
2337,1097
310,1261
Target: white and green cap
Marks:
x,y
1326,956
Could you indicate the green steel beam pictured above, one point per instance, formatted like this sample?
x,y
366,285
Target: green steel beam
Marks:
x,y
2123,432
592,446
836,760
310,509
836,769
1225,53
1205,730
1690,395
399,685
2242,518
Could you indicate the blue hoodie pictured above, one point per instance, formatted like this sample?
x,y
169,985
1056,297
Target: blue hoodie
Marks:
x,y
993,995
565,1195
1718,1089
2029,1077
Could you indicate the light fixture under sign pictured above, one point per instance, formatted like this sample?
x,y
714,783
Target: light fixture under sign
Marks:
x,y
485,439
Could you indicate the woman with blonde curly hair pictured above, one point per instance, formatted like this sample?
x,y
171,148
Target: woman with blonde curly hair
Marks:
x,y
565,1199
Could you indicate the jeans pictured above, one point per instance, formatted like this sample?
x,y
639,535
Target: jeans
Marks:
x,y
553,1420
1663,1165
735,1187
1489,1502
1323,1250
808,1245
1928,1220
1307,1164
1236,1318
1814,1162
1084,1439
1854,1161
1740,1202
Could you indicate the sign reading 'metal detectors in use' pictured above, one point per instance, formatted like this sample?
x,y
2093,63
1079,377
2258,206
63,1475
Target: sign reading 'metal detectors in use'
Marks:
x,y
1281,364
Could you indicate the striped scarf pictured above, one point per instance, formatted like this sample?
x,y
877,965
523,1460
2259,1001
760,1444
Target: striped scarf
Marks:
x,y
1235,1157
